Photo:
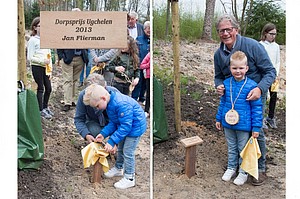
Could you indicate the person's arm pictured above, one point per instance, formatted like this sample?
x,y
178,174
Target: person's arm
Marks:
x,y
277,61
146,62
265,67
219,76
125,114
80,116
107,56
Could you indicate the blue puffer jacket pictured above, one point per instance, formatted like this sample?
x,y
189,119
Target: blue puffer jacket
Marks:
x,y
126,118
250,112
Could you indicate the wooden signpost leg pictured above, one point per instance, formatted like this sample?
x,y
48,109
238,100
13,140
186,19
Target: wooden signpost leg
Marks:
x,y
97,172
190,154
190,161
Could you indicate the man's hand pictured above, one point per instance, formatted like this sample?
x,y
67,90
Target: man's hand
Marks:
x,y
89,138
254,94
220,90
135,81
120,69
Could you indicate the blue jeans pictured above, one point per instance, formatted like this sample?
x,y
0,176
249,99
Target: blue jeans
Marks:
x,y
236,141
126,155
87,67
94,127
262,141
140,89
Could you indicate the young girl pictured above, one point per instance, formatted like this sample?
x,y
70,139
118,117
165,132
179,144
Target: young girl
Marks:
x,y
40,61
127,123
125,66
268,35
238,116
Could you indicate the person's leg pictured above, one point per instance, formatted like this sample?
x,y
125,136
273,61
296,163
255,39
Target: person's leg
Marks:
x,y
143,89
262,143
81,75
231,138
272,104
68,82
147,106
130,144
77,68
242,138
38,73
93,127
48,90
136,91
120,156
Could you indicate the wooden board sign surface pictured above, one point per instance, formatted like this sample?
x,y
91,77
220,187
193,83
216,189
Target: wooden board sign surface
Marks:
x,y
191,141
82,30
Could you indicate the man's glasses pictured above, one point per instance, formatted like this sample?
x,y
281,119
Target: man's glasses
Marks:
x,y
228,30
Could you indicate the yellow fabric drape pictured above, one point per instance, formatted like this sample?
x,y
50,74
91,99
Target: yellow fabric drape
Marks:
x,y
95,152
250,154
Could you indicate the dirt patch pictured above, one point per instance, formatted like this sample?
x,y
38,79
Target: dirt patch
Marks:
x,y
198,118
62,174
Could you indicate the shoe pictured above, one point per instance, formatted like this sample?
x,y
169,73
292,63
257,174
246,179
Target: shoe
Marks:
x,y
124,183
146,114
261,178
241,179
113,172
73,104
48,111
45,114
228,174
80,84
66,108
271,123
265,126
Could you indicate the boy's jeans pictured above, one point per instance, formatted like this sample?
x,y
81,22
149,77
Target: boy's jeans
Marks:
x,y
126,155
236,141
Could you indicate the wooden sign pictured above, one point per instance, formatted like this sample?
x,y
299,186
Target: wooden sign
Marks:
x,y
82,30
191,141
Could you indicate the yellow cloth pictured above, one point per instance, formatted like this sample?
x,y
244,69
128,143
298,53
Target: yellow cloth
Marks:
x,y
98,67
250,154
95,152
49,66
275,86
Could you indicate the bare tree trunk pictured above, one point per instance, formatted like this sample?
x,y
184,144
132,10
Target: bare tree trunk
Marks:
x,y
244,27
208,20
175,41
167,19
22,72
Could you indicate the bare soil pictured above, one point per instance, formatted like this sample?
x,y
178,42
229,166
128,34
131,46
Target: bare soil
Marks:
x,y
198,118
62,174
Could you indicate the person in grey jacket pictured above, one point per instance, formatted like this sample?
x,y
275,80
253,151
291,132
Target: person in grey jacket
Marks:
x,y
260,70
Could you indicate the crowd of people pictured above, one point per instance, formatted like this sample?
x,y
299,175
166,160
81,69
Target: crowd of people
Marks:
x,y
117,84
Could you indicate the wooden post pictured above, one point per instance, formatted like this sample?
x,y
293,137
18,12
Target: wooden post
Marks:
x,y
175,42
97,172
22,71
190,154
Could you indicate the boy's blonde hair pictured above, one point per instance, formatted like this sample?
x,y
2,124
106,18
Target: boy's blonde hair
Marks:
x,y
93,94
239,56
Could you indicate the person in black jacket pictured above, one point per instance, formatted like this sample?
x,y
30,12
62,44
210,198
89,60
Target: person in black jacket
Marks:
x,y
73,62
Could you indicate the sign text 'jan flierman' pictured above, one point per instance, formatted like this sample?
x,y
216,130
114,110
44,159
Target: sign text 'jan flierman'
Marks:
x,y
86,29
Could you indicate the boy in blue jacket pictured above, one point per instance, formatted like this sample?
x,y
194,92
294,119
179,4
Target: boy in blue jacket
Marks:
x,y
238,115
127,123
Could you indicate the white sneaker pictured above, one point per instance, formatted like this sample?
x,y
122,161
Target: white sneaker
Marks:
x,y
124,183
241,178
228,174
113,172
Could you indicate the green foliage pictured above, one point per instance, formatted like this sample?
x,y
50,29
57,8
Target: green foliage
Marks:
x,y
32,11
190,26
262,13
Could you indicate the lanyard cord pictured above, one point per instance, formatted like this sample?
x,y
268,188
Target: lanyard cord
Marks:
x,y
233,103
